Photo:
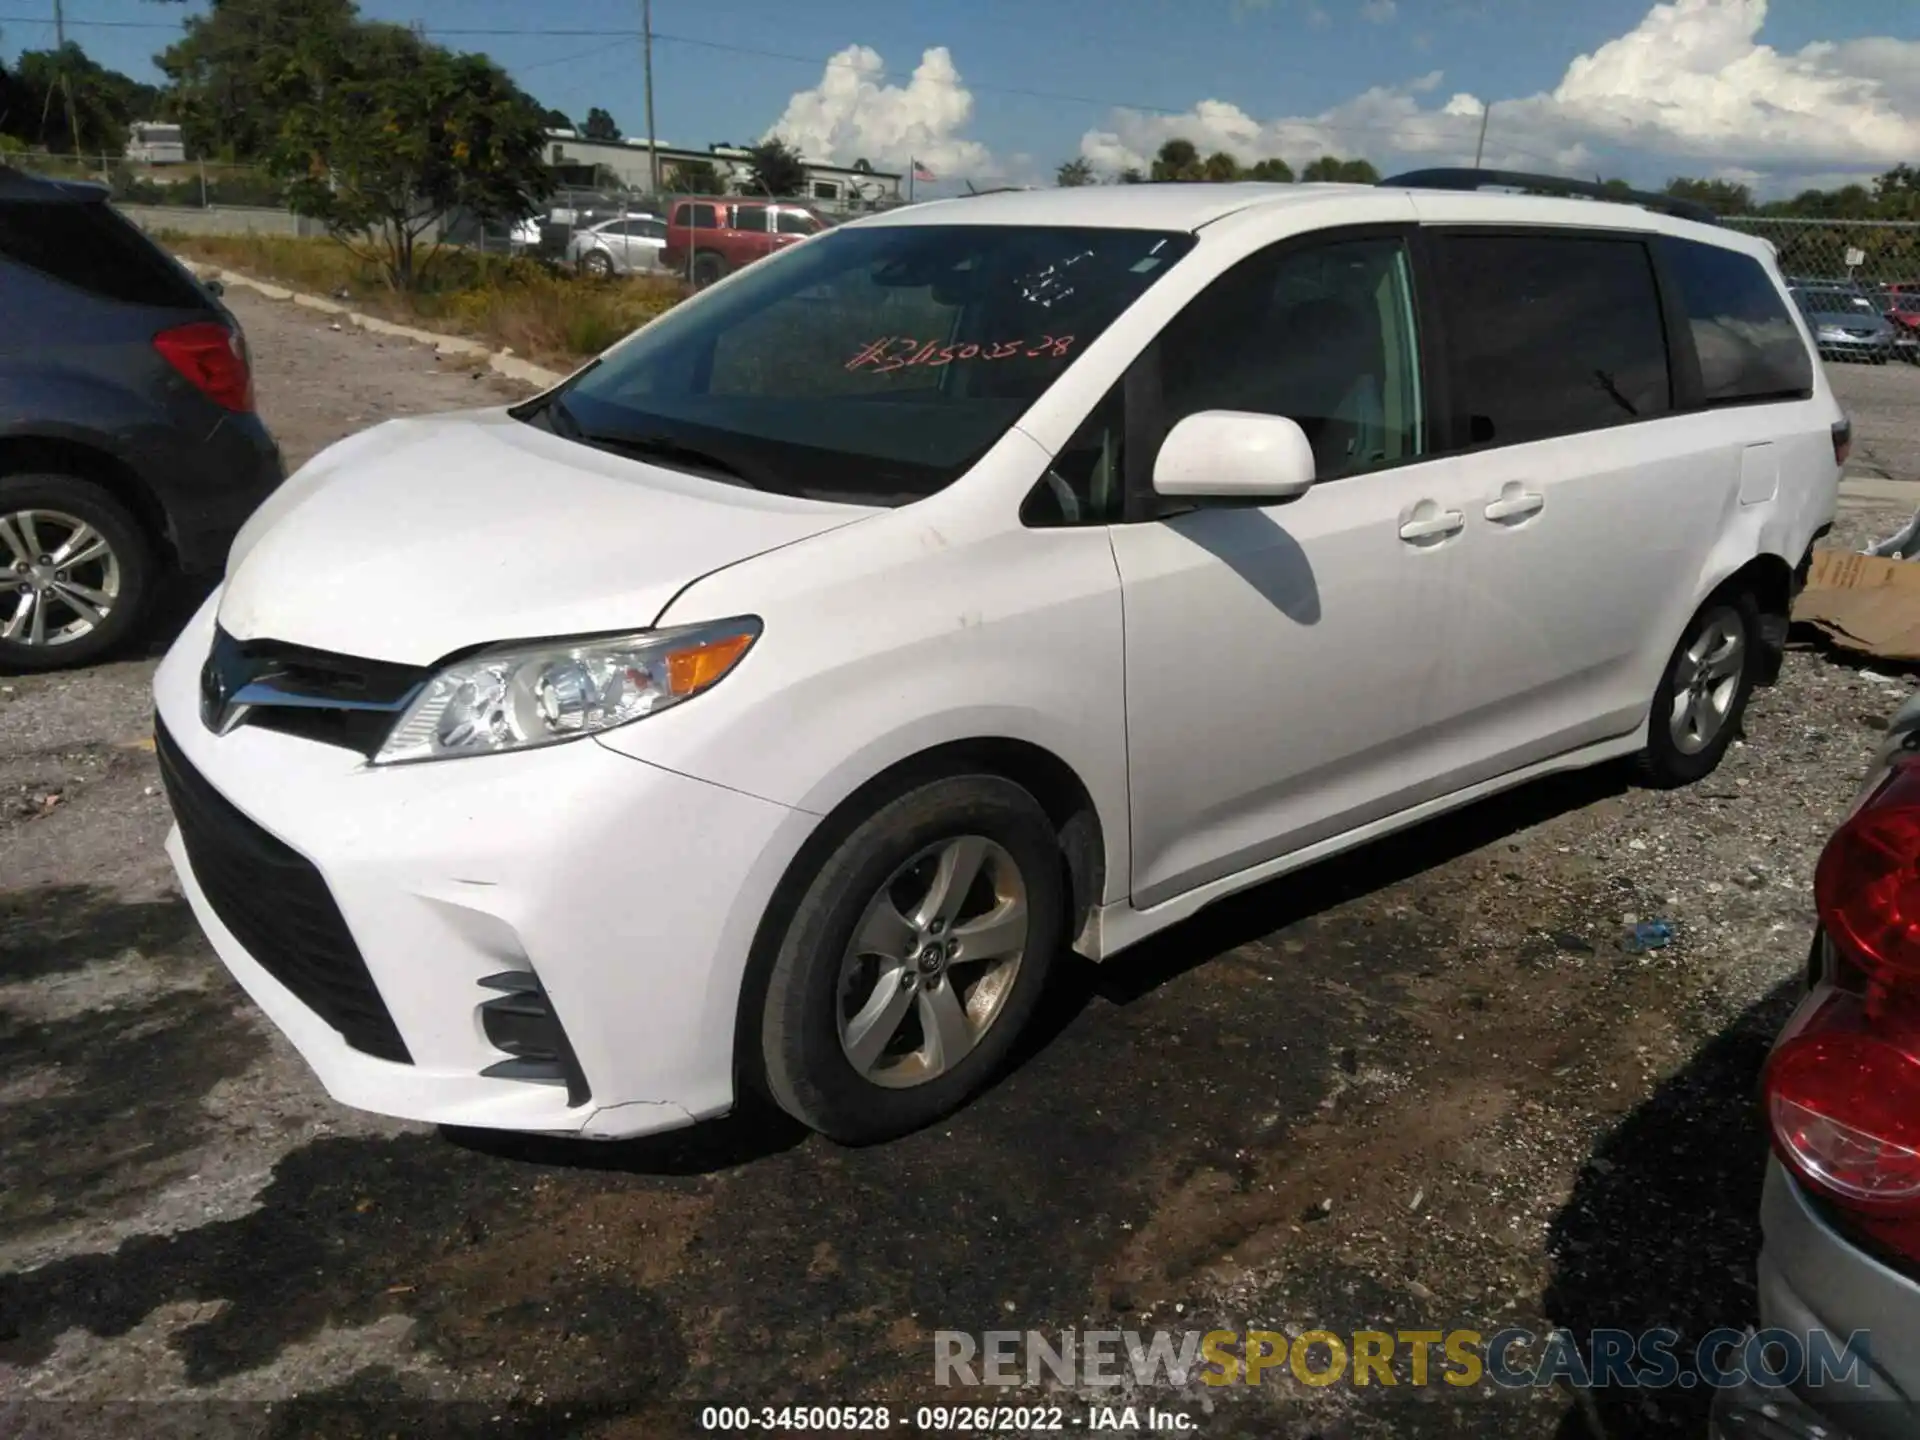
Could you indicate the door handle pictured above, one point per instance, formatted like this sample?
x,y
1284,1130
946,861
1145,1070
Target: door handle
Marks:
x,y
1427,527
1516,504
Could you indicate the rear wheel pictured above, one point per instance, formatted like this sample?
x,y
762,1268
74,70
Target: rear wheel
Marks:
x,y
914,959
597,263
707,268
77,572
1702,696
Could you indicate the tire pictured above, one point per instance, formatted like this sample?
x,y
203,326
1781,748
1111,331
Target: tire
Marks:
x,y
1685,743
707,268
48,508
823,983
598,264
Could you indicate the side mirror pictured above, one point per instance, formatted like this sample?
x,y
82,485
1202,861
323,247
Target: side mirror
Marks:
x,y
1234,456
215,288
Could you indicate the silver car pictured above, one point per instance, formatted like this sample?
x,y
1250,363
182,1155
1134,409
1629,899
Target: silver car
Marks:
x,y
1840,1212
630,245
1846,325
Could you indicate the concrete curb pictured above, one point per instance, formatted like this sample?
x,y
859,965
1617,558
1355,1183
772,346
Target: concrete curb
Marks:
x,y
501,362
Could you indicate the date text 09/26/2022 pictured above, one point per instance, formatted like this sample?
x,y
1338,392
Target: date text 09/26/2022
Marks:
x,y
948,1419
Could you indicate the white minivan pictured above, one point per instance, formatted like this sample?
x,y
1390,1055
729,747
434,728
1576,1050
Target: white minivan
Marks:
x,y
773,701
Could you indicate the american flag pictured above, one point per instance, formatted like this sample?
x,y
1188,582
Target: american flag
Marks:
x,y
921,172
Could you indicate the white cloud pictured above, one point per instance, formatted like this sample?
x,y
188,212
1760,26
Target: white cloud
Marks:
x,y
1378,12
854,113
1691,88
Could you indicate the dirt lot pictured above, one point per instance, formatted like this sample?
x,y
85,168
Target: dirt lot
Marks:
x,y
1421,1087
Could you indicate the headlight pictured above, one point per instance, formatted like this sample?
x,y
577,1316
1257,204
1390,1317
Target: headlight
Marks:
x,y
1831,332
522,697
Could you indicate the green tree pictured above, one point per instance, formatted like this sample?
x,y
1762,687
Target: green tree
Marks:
x,y
1133,175
1723,197
398,135
1896,194
559,120
697,177
241,68
63,100
774,168
600,125
1075,172
1274,171
1177,160
1332,169
1220,167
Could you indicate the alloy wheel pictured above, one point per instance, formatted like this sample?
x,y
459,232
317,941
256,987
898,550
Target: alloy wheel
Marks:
x,y
63,576
1706,679
932,961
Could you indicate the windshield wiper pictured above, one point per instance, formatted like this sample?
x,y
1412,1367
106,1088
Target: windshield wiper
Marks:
x,y
672,452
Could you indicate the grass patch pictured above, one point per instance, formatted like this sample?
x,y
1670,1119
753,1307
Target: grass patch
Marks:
x,y
540,312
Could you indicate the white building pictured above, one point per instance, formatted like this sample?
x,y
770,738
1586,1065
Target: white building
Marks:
x,y
837,188
156,142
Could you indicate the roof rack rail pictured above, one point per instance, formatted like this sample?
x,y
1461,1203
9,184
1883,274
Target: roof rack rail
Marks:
x,y
1465,179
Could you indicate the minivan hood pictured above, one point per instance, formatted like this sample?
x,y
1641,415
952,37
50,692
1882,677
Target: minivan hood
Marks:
x,y
422,537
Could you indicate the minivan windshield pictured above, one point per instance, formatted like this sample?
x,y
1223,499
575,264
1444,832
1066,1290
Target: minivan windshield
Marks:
x,y
866,365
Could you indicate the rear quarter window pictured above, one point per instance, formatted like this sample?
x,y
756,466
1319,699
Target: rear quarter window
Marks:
x,y
1748,345
90,247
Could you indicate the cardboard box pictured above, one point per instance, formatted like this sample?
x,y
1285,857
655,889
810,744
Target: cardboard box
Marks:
x,y
1864,603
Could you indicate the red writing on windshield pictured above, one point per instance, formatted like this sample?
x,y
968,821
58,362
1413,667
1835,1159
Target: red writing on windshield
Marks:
x,y
897,352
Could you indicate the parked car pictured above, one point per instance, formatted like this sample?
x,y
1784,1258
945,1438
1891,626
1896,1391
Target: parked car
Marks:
x,y
773,701
1840,1210
626,246
128,440
708,240
1848,326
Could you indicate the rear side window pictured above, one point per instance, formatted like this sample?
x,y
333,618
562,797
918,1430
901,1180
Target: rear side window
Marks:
x,y
701,217
88,246
1553,335
750,217
1748,345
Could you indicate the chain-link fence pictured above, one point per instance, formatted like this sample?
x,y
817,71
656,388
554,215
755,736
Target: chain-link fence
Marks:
x,y
1857,280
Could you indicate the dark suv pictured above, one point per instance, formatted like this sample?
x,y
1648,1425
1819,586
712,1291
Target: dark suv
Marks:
x,y
128,442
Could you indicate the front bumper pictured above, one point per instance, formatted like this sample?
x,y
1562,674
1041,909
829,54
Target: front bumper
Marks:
x,y
631,892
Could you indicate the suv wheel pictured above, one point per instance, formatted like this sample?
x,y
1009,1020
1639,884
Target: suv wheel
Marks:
x,y
1702,696
707,268
914,959
77,571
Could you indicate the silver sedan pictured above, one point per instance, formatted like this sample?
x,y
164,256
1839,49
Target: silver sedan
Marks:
x,y
630,245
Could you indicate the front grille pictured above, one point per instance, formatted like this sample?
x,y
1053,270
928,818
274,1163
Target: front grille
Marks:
x,y
278,907
313,694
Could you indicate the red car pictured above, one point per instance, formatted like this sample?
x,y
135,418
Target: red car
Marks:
x,y
710,239
1903,305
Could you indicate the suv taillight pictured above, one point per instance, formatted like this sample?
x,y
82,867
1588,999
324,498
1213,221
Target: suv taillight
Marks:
x,y
213,358
1842,1086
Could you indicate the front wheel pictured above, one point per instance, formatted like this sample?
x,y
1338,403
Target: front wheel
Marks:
x,y
1703,694
598,264
914,959
708,268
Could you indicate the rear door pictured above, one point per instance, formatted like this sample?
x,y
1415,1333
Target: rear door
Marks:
x,y
1594,501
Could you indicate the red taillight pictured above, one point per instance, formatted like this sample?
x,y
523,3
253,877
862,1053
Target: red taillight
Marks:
x,y
1867,884
1843,1100
1842,441
213,358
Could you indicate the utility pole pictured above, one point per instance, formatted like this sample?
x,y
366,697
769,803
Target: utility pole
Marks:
x,y
653,141
59,25
1486,109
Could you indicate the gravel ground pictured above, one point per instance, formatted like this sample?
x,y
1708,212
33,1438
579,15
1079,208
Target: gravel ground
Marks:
x,y
1423,1086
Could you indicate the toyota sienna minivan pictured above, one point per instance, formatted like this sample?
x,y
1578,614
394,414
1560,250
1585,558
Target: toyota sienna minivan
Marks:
x,y
771,703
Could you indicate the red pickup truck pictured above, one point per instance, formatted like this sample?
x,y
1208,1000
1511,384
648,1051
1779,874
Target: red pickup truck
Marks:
x,y
709,239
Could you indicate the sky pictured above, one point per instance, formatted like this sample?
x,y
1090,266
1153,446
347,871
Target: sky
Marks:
x,y
1780,94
